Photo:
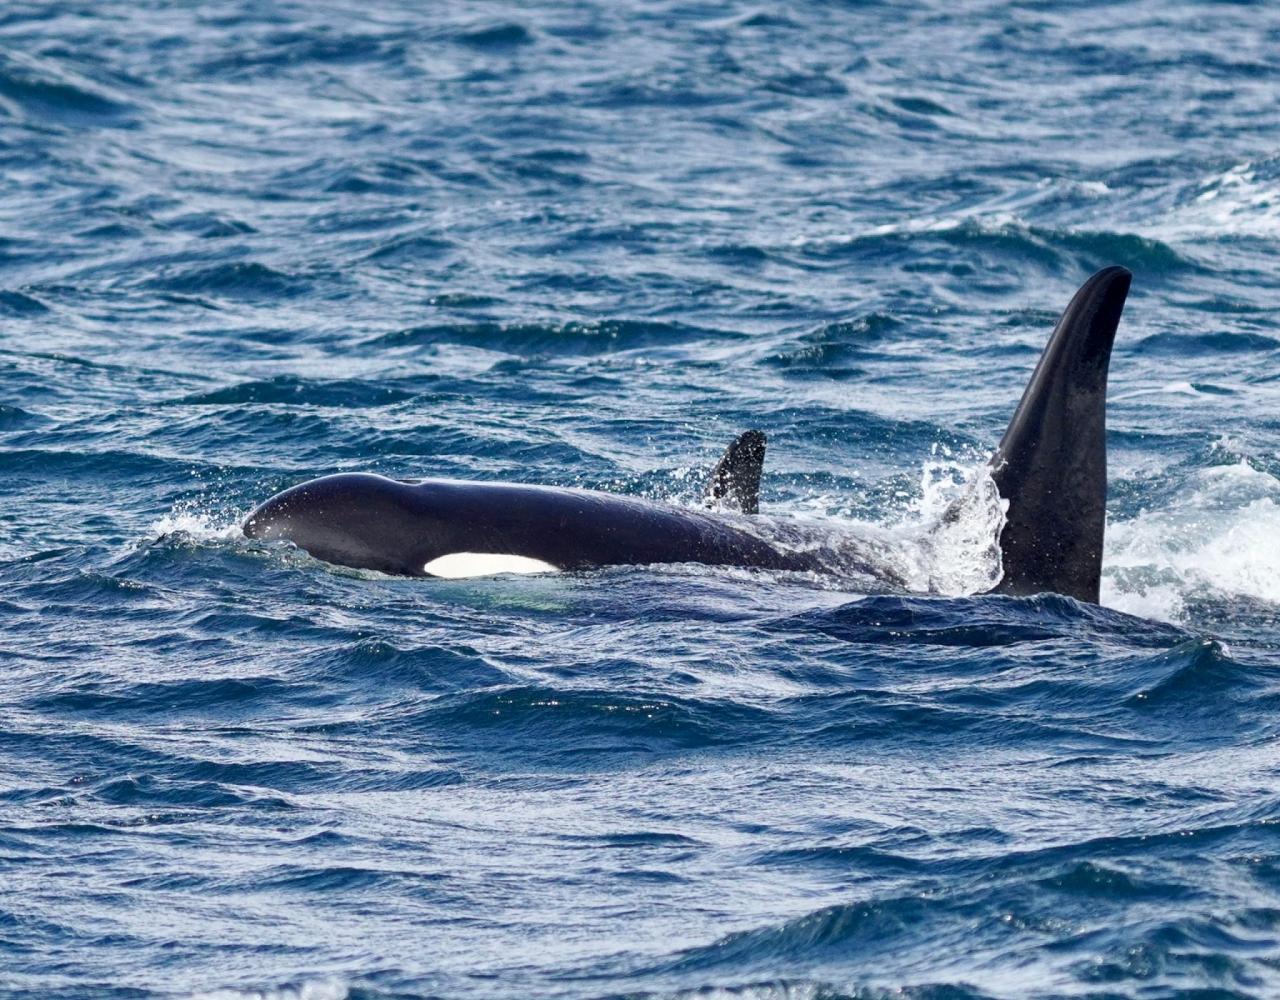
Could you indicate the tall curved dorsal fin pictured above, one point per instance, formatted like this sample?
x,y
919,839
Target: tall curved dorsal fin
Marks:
x,y
1051,465
735,481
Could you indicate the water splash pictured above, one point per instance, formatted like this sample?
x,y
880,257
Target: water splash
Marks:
x,y
195,520
1220,538
950,535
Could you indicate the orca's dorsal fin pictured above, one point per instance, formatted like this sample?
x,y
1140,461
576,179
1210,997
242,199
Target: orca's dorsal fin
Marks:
x,y
1051,465
735,481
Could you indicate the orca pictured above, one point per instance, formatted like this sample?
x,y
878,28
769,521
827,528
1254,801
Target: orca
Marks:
x,y
1049,468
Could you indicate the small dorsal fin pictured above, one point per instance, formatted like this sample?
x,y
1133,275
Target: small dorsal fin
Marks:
x,y
735,481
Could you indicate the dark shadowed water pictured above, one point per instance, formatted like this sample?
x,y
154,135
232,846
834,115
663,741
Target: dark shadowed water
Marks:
x,y
247,242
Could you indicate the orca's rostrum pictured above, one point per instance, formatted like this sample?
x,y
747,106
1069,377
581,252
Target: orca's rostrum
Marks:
x,y
1050,468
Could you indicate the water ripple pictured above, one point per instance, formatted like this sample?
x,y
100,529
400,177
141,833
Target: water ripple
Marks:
x,y
246,244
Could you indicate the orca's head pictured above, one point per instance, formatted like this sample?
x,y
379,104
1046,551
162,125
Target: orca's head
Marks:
x,y
355,519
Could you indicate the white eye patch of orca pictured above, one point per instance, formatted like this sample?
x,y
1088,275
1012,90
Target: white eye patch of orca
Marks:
x,y
460,565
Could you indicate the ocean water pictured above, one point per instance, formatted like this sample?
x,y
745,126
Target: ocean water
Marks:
x,y
247,242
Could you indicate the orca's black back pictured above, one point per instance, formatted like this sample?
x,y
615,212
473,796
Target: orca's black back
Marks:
x,y
578,529
371,522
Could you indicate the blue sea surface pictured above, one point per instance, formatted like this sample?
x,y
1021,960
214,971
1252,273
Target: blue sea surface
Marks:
x,y
248,242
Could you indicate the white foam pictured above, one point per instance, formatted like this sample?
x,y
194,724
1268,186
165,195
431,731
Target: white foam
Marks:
x,y
1242,200
199,525
1221,537
462,565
